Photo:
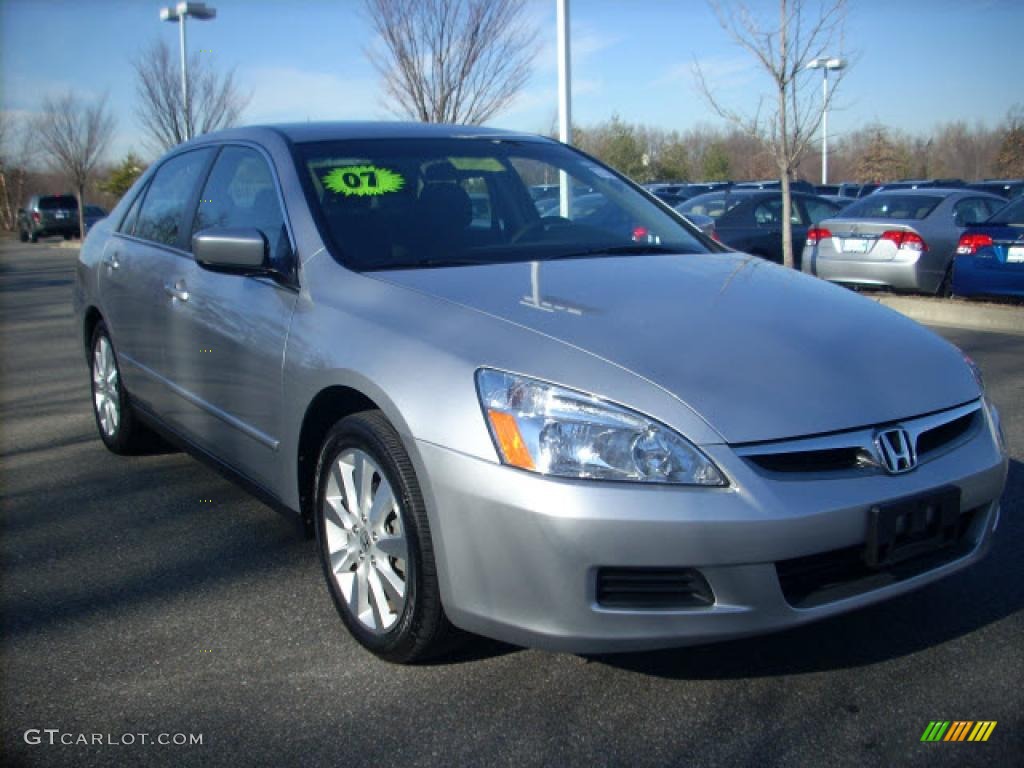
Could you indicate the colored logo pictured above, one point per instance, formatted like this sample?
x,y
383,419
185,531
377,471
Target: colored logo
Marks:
x,y
363,180
958,730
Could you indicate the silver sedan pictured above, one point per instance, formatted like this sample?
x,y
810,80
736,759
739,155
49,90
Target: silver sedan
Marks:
x,y
588,432
903,239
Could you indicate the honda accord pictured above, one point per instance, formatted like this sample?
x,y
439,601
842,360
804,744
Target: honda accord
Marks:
x,y
587,433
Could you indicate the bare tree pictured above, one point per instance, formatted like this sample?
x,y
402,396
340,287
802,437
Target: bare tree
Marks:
x,y
215,100
75,137
451,61
782,49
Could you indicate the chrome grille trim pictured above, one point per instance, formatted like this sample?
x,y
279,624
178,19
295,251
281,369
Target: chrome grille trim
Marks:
x,y
862,441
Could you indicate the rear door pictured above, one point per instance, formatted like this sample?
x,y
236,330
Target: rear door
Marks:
x,y
225,343
135,274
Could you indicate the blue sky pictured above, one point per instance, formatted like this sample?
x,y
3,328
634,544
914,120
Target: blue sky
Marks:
x,y
918,62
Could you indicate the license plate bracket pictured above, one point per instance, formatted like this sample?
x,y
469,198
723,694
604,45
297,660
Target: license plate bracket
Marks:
x,y
913,526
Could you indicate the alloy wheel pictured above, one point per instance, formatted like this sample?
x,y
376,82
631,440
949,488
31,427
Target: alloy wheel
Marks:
x,y
366,541
106,387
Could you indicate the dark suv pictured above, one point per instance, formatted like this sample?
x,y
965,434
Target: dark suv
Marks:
x,y
48,215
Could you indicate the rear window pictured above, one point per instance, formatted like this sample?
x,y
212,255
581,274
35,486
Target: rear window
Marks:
x,y
1011,215
883,206
57,202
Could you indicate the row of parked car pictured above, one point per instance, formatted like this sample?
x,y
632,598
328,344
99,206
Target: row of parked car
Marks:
x,y
937,236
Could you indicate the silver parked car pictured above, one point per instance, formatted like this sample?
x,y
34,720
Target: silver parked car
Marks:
x,y
582,433
903,239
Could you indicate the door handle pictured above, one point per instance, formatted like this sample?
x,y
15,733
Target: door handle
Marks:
x,y
112,262
176,290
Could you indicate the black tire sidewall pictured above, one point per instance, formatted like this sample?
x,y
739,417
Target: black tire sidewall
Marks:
x,y
358,432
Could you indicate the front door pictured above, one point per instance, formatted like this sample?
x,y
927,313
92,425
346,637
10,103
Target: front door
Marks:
x,y
225,341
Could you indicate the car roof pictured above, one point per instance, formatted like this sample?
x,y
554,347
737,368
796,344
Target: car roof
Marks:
x,y
342,130
923,191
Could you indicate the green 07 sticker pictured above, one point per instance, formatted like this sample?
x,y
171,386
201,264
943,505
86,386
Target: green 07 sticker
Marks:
x,y
363,180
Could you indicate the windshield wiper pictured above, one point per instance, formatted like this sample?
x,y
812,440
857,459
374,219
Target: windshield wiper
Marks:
x,y
421,263
615,250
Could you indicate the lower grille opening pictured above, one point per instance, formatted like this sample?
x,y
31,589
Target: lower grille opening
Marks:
x,y
824,578
653,588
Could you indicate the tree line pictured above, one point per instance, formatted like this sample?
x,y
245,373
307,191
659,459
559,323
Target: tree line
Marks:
x,y
872,153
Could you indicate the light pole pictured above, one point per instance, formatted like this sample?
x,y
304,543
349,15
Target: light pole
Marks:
x,y
564,102
179,13
825,64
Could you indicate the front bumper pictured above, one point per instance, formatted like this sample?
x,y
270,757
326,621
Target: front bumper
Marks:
x,y
518,554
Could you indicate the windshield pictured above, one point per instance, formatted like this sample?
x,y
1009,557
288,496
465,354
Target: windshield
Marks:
x,y
1011,215
884,206
392,204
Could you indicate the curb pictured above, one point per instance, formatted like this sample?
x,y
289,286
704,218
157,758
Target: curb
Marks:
x,y
953,313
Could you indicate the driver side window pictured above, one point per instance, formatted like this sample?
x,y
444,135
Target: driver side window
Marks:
x,y
241,193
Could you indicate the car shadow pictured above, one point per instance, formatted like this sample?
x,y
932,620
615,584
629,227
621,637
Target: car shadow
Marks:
x,y
963,603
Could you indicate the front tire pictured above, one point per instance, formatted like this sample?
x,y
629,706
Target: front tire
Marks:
x,y
374,541
116,422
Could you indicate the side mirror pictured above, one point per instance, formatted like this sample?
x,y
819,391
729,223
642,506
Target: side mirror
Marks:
x,y
231,249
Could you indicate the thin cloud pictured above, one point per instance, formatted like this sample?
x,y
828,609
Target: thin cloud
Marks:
x,y
290,94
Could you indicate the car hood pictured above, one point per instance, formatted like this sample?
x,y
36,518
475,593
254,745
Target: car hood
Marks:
x,y
761,352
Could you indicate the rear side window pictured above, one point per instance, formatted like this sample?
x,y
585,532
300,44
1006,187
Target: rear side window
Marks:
x,y
128,222
241,193
971,210
58,202
768,214
883,206
713,205
162,216
818,210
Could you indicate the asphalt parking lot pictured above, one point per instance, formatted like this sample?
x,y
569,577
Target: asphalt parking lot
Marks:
x,y
148,595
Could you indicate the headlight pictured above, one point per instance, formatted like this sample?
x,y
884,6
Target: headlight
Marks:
x,y
555,431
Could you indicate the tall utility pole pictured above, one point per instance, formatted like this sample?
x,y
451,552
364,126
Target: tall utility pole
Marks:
x,y
564,102
179,13
825,64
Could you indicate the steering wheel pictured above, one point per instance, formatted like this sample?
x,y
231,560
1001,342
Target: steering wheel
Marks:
x,y
541,227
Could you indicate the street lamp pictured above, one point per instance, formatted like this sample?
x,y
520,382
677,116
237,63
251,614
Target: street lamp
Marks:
x,y
179,13
825,64
564,102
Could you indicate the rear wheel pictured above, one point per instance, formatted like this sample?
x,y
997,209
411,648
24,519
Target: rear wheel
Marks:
x,y
374,541
22,235
118,428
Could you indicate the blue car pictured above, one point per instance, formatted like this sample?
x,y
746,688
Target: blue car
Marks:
x,y
990,256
